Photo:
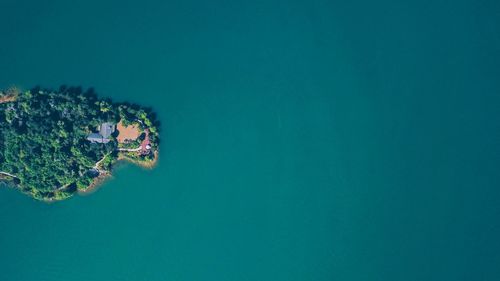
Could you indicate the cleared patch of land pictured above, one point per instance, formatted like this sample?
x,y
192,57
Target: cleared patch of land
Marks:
x,y
6,99
9,95
127,133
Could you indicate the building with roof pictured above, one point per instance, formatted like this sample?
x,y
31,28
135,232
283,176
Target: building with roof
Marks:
x,y
97,138
105,131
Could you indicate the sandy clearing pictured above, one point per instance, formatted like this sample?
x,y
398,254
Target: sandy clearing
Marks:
x,y
130,132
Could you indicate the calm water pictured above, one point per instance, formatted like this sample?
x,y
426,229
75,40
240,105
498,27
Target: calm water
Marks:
x,y
301,141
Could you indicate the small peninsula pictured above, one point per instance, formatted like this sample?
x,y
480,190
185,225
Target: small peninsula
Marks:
x,y
57,143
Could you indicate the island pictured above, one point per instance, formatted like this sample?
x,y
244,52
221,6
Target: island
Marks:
x,y
57,143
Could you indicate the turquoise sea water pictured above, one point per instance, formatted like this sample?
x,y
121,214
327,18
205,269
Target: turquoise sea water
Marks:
x,y
302,140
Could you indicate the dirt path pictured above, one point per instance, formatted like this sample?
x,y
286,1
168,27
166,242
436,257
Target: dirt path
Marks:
x,y
7,174
96,166
130,149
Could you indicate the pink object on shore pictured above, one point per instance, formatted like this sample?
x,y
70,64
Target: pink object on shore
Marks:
x,y
146,143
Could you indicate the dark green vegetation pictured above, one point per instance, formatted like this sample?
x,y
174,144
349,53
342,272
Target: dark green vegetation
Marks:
x,y
44,149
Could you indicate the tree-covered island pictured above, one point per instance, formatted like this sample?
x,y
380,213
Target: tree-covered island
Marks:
x,y
55,143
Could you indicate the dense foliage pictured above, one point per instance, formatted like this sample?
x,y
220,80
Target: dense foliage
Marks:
x,y
43,139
